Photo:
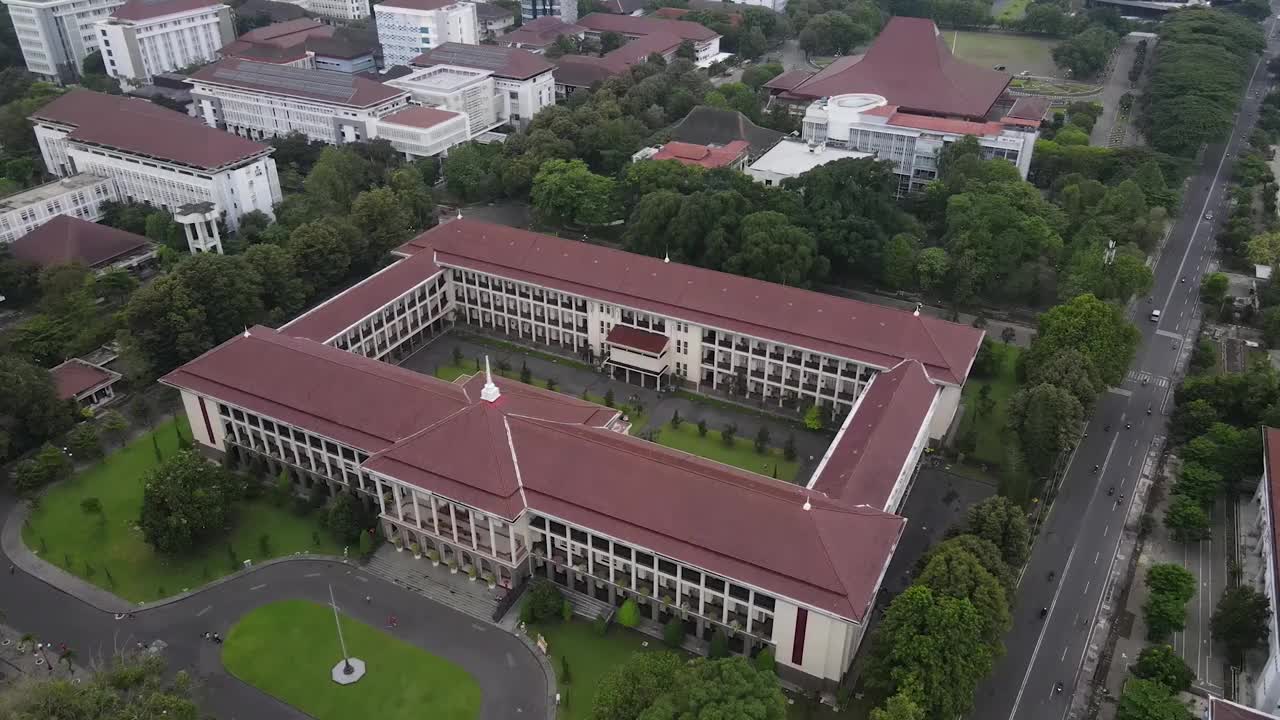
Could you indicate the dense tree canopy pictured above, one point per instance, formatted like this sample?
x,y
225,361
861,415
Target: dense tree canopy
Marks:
x,y
126,687
184,500
1095,328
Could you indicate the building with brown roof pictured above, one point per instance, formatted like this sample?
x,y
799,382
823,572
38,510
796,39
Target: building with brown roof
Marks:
x,y
494,19
156,155
67,240
264,100
143,38
731,155
310,44
541,33
523,80
705,41
1220,709
910,65
87,384
506,478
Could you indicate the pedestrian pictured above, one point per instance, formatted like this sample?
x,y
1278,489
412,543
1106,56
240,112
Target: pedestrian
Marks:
x,y
207,635
368,599
11,569
217,638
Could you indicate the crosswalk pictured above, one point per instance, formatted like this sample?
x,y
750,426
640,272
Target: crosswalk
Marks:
x,y
1137,376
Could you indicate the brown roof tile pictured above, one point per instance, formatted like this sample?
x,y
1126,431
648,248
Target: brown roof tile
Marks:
x,y
631,25
327,86
873,334
340,312
541,32
421,117
136,10
1220,709
642,340
76,376
505,62
137,126
65,240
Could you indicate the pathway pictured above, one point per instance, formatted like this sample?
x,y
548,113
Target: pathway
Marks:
x,y
513,680
1112,129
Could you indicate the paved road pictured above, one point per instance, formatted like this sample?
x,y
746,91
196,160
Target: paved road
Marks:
x,y
510,678
1081,535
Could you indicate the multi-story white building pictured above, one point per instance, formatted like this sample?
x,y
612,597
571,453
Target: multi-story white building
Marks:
x,y
56,35
469,91
869,124
506,478
566,10
79,196
263,100
408,28
156,155
524,80
339,9
420,132
143,38
1258,542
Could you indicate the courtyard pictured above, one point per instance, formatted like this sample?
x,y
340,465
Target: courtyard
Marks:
x,y
287,649
108,550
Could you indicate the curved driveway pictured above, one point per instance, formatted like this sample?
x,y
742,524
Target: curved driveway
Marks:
x,y
510,677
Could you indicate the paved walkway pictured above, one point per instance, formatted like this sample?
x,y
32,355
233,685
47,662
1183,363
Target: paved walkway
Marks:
x,y
1112,129
659,408
513,680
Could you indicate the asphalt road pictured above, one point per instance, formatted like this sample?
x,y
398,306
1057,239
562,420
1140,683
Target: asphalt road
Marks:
x,y
1082,533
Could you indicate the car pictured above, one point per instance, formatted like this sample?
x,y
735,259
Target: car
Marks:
x,y
1001,68
1025,73
1208,215
1155,316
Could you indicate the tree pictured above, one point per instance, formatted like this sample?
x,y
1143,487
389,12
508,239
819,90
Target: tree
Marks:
x,y
48,465
1149,700
629,614
1095,328
1264,249
1001,522
30,410
899,707
1072,371
1192,419
984,551
898,269
283,292
1213,288
184,501
471,171
114,426
227,285
337,177
129,686
1086,53
380,215
1170,587
719,645
611,41
1271,326
84,443
414,196
930,641
756,76
686,51
955,572
346,518
720,688
630,688
1241,622
673,633
320,255
544,601
1186,519
1198,483
932,266
1047,419
773,249
752,43
1162,664
566,191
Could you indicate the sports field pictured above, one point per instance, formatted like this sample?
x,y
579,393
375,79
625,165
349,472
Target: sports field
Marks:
x,y
1016,52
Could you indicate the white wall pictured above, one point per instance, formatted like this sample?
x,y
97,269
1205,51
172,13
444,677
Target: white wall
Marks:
x,y
829,642
405,33
191,404
944,411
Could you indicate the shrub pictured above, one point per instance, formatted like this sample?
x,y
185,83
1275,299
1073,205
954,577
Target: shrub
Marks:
x,y
91,506
346,518
762,440
676,420
526,375
566,610
813,418
629,613
727,434
564,670
719,645
318,496
764,661
83,442
457,355
601,625
702,428
789,449
366,543
673,632
264,545
551,384
608,398
282,489
545,601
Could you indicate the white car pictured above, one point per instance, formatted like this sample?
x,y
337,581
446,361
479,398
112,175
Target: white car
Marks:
x,y
1155,316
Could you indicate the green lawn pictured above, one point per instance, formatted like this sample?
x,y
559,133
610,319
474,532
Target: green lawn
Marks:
x,y
990,429
1015,10
111,552
742,455
590,656
1016,52
288,650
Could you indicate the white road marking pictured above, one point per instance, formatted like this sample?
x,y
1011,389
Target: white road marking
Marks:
x,y
477,627
1169,334
202,612
312,575
1120,391
258,587
1064,654
362,578
1096,556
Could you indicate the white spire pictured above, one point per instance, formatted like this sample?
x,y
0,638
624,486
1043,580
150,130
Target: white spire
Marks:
x,y
806,505
917,310
246,331
459,212
666,257
490,392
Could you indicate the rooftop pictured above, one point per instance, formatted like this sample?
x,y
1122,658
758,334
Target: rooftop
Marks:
x,y
505,62
639,26
421,117
275,11
1220,709
48,191
706,156
540,32
706,125
490,12
584,70
65,240
873,334
534,449
139,127
328,86
418,4
910,65
440,78
796,157
138,10
1271,458
76,377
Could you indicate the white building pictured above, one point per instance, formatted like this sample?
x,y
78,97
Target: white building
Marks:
x,y
56,35
156,155
514,481
466,90
524,80
337,9
869,124
79,196
793,158
1258,545
408,28
263,100
420,132
143,38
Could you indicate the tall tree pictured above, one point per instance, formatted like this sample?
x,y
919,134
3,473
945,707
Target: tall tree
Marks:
x,y
630,688
30,411
1149,700
1241,622
955,572
773,249
1162,664
384,220
566,191
134,686
724,688
321,256
1047,419
184,501
1002,523
1092,326
1169,588
166,324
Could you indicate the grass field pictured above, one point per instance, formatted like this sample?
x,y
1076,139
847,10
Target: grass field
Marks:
x,y
1014,10
1016,52
288,649
590,656
742,455
990,429
110,552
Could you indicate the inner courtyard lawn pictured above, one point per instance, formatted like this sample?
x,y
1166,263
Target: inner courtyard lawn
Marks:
x,y
742,455
590,657
990,429
288,649
109,551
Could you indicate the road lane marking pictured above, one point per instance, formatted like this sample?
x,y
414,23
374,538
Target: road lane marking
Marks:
x,y
202,612
1169,334
312,575
1107,530
1096,556
1086,586
258,587
1064,654
1120,391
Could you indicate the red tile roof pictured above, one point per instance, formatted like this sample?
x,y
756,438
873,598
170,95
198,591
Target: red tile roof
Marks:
x,y
541,32
638,26
421,117
361,300
289,32
702,155
910,65
138,127
873,334
76,377
1220,709
326,86
585,70
1029,108
641,340
945,125
137,10
868,455
503,61
788,79
65,240
638,51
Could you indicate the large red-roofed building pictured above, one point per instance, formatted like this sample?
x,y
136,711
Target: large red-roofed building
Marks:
x,y
517,481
